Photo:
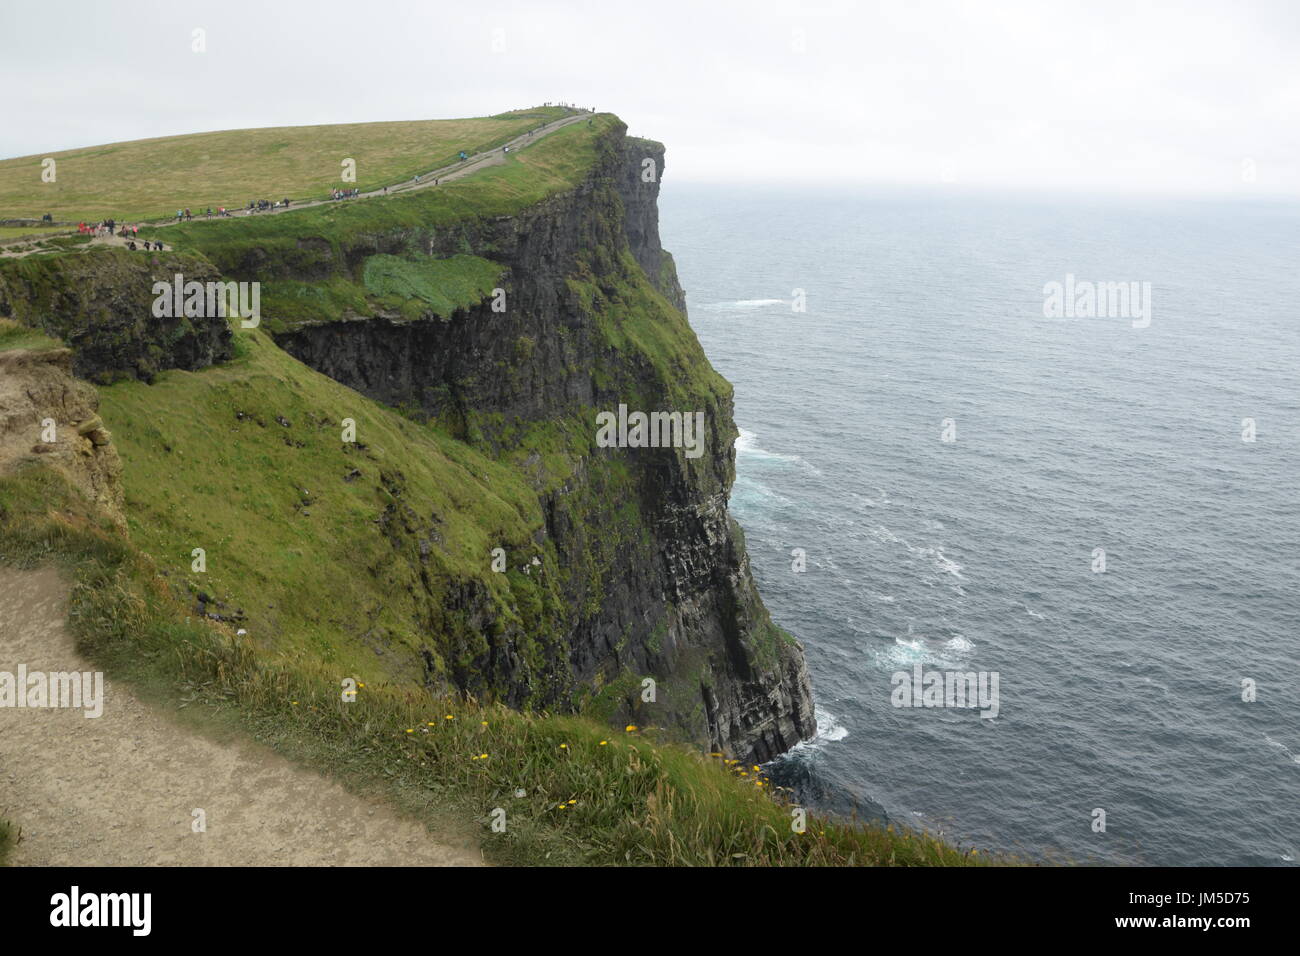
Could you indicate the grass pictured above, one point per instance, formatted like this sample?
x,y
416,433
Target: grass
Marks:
x,y
347,551
420,285
14,232
14,335
313,241
573,792
9,835
151,178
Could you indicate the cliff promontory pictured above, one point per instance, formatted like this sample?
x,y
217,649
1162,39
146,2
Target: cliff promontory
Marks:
x,y
474,533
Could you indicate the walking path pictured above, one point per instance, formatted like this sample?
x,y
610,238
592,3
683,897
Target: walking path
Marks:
x,y
120,789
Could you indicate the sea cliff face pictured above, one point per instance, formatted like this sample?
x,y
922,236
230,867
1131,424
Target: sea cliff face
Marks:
x,y
649,613
677,600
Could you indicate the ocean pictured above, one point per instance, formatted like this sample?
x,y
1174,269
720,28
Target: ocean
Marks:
x,y
1069,503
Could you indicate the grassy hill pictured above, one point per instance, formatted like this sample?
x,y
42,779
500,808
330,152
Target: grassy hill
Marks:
x,y
152,178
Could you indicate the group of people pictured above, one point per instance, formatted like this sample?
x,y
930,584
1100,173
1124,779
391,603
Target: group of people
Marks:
x,y
111,227
107,227
265,205
341,194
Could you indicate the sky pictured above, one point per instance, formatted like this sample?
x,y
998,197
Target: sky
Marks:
x,y
1194,97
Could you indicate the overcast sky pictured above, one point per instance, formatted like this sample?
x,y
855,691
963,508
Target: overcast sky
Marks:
x,y
1200,97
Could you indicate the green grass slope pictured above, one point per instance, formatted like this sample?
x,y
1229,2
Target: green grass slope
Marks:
x,y
312,537
152,178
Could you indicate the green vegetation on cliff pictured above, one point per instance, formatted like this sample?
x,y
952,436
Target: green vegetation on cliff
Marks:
x,y
246,461
16,336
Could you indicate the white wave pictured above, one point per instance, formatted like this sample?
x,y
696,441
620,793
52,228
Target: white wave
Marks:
x,y
748,490
1295,758
828,728
742,305
941,562
916,648
747,447
881,533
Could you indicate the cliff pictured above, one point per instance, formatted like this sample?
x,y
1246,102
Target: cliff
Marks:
x,y
100,304
47,416
503,314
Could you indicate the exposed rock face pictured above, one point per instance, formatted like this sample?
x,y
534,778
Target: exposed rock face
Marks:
x,y
40,400
638,187
100,304
673,598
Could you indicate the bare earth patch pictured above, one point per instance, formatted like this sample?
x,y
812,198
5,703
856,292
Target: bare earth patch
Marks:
x,y
119,790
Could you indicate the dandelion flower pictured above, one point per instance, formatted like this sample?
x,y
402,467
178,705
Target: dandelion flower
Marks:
x,y
410,730
630,727
451,716
603,742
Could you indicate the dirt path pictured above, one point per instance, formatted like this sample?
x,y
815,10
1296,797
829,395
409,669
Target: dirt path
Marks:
x,y
120,789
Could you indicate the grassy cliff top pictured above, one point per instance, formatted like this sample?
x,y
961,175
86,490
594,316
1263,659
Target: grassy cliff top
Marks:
x,y
152,178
